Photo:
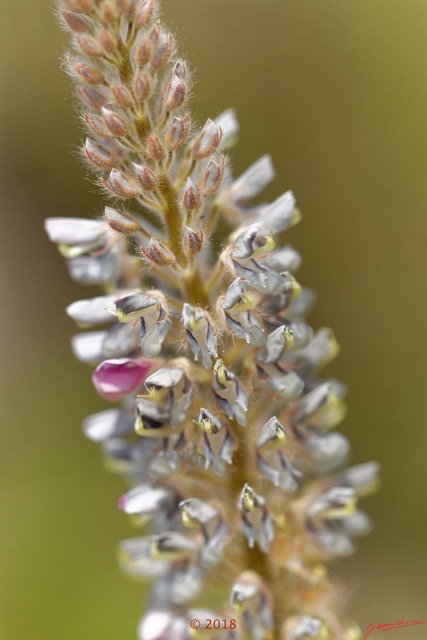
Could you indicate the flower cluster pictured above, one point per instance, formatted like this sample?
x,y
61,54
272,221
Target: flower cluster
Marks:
x,y
221,425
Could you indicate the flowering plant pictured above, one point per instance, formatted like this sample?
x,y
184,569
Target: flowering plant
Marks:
x,y
221,425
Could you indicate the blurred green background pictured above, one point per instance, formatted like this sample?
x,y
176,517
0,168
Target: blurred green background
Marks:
x,y
336,91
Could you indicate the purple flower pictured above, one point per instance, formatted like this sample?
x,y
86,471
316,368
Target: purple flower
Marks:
x,y
114,379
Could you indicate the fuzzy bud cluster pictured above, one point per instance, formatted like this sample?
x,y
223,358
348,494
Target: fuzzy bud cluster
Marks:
x,y
219,421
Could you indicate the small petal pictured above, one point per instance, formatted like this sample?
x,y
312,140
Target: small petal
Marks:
x,y
92,312
112,423
114,379
254,180
74,230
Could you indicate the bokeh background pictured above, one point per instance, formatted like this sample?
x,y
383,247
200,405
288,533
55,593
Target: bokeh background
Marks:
x,y
337,92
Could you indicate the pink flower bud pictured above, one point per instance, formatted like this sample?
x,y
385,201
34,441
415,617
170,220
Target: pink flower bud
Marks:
x,y
99,157
114,121
94,98
157,253
98,125
155,148
178,132
121,221
79,6
191,196
76,23
207,141
109,13
122,186
147,178
193,241
163,51
115,379
90,46
142,87
122,96
120,6
175,94
212,176
88,74
142,52
108,41
144,13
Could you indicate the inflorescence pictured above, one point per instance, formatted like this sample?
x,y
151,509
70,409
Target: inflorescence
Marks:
x,y
221,425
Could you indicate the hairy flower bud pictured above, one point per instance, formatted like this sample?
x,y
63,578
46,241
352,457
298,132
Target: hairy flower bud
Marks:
x,y
142,87
178,132
147,178
79,6
108,11
163,50
122,96
207,141
98,125
94,98
88,74
158,253
155,148
212,176
90,45
122,186
175,93
191,197
108,41
144,13
98,156
193,241
121,221
76,22
142,52
115,122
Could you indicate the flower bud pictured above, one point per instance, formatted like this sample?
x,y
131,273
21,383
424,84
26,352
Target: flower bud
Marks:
x,y
155,148
207,141
109,13
114,121
122,96
75,22
180,70
193,241
191,196
108,41
120,6
122,186
144,13
163,50
94,98
158,253
99,157
142,87
142,52
175,94
121,221
90,46
147,178
178,132
98,125
79,6
212,176
88,74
